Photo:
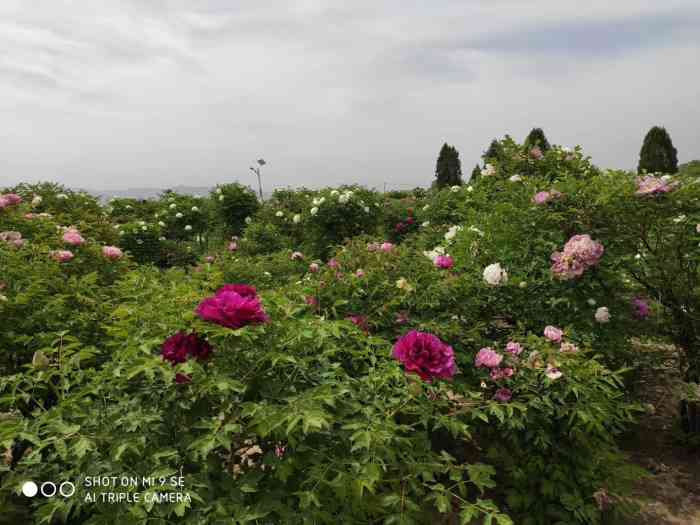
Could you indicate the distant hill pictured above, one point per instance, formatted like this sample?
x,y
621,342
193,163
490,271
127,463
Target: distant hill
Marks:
x,y
692,167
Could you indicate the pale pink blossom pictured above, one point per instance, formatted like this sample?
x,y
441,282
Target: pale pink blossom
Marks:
x,y
553,333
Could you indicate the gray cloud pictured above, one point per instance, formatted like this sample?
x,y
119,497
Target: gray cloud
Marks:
x,y
163,92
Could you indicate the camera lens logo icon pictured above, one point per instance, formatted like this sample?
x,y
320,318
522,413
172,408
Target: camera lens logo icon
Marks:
x,y
48,489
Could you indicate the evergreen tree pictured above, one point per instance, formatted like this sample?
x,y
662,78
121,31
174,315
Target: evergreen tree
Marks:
x,y
657,153
476,173
448,169
537,138
495,151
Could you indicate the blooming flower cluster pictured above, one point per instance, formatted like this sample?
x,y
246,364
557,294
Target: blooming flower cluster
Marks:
x,y
9,199
61,255
72,236
112,253
489,170
651,185
233,306
580,253
543,197
12,238
426,355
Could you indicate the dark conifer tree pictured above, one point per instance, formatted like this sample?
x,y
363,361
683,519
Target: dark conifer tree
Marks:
x,y
657,153
448,169
476,173
536,137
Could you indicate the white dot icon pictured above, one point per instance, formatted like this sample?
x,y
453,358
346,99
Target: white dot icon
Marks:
x,y
29,489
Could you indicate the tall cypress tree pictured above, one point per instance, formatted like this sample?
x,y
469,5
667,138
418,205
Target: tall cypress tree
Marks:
x,y
448,169
536,137
476,173
495,151
657,153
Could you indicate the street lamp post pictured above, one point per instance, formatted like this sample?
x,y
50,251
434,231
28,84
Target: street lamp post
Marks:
x,y
261,163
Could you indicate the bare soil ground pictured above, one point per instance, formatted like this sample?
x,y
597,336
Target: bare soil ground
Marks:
x,y
671,494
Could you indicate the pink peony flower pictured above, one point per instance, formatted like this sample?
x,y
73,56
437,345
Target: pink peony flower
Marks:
x,y
231,309
61,255
179,347
9,199
503,395
444,262
488,358
73,237
360,273
112,252
514,348
536,153
553,333
568,348
386,247
210,259
580,253
552,373
232,246
541,197
311,300
12,238
650,185
333,264
426,355
314,268
640,308
501,373
297,256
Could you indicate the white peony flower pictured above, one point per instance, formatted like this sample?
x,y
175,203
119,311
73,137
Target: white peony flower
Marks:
x,y
144,228
591,301
36,200
161,224
425,208
314,210
488,171
248,220
173,206
188,228
178,215
495,275
279,214
602,315
454,189
141,223
218,190
452,232
194,208
296,219
61,196
515,178
161,238
426,224
678,219
334,193
366,208
470,189
344,198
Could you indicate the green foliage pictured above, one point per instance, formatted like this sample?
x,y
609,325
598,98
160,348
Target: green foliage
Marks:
x,y
448,168
657,154
233,203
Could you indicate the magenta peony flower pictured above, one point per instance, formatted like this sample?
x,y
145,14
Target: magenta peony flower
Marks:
x,y
311,300
568,348
514,348
231,309
73,237
112,252
503,395
501,373
179,347
182,379
386,247
314,268
640,308
488,358
358,320
650,185
244,290
553,333
444,262
580,253
425,355
61,255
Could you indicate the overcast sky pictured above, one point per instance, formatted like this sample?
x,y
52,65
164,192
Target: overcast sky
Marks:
x,y
156,93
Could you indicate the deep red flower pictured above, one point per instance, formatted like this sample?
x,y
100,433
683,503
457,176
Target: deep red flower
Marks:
x,y
179,347
231,309
425,355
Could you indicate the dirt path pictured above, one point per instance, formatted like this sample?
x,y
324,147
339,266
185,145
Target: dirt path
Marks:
x,y
671,495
